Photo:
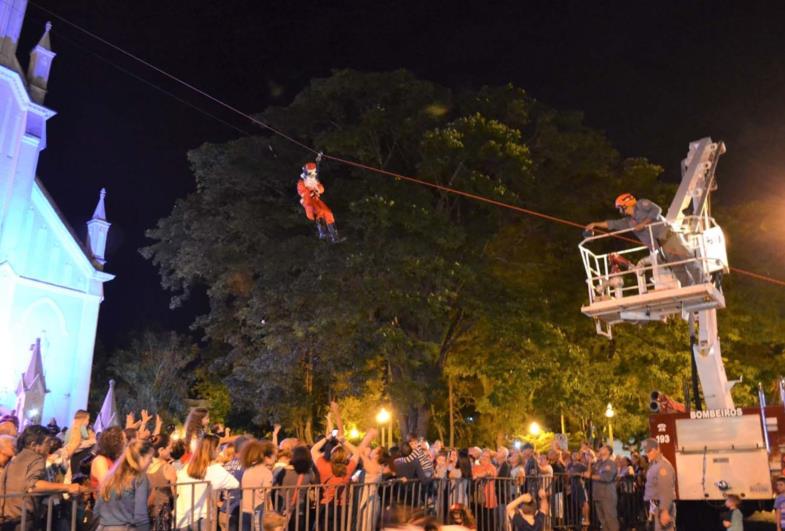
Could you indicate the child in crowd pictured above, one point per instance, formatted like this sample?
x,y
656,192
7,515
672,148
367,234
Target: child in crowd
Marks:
x,y
524,515
779,503
732,519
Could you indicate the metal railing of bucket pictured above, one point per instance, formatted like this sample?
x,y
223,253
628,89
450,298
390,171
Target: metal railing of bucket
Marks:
x,y
631,269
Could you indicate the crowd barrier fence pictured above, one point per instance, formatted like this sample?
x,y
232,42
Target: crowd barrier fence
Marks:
x,y
369,506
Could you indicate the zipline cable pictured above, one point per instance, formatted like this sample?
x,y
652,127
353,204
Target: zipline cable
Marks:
x,y
152,85
253,119
173,77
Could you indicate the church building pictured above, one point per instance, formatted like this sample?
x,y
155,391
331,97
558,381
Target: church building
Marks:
x,y
51,283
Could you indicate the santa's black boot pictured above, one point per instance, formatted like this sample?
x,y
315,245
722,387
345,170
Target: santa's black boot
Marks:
x,y
321,226
334,233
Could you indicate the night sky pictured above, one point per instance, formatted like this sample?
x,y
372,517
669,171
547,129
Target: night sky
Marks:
x,y
652,78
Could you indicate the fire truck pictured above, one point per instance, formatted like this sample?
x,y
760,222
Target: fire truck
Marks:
x,y
716,447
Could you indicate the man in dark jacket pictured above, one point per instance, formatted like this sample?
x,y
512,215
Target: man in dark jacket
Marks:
x,y
25,474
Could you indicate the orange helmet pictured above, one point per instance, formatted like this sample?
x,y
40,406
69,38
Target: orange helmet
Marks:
x,y
310,167
625,200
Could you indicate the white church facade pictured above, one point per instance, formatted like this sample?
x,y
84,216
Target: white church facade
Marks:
x,y
51,283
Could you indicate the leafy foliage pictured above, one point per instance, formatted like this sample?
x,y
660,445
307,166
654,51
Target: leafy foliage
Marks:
x,y
431,287
150,374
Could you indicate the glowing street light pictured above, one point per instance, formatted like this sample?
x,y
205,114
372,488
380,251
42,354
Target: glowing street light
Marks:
x,y
354,434
535,429
383,416
610,414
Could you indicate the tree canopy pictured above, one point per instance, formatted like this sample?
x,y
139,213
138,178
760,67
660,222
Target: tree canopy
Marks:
x,y
432,293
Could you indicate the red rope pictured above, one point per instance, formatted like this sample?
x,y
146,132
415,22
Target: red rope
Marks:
x,y
280,133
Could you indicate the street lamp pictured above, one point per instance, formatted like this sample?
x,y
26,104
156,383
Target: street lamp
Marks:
x,y
610,414
383,417
534,429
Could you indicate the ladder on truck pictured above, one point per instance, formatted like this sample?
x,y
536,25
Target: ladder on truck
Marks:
x,y
629,283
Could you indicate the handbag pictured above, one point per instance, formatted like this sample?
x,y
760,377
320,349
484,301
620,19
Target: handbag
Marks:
x,y
273,519
479,492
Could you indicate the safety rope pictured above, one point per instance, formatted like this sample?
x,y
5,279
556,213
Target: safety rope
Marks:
x,y
260,123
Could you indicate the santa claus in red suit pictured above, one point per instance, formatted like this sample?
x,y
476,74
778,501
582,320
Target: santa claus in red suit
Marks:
x,y
310,189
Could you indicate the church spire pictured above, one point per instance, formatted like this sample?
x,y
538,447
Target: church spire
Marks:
x,y
97,230
40,65
32,389
12,13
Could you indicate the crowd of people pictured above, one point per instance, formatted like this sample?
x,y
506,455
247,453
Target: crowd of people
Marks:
x,y
143,477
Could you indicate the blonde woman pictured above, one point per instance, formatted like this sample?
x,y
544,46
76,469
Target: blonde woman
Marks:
x,y
195,427
257,458
122,496
192,506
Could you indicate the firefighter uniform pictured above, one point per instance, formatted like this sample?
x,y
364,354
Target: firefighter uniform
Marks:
x,y
660,488
603,490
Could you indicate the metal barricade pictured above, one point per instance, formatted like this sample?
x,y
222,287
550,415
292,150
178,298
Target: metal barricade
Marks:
x,y
374,506
194,506
349,506
40,511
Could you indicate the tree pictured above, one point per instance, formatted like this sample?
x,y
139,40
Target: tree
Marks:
x,y
150,373
432,290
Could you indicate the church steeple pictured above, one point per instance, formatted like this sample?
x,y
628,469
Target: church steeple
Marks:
x,y
97,230
31,392
40,64
12,13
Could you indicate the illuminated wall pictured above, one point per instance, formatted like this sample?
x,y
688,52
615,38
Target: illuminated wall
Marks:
x,y
51,285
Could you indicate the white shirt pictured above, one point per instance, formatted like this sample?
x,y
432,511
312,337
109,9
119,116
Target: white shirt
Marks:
x,y
216,476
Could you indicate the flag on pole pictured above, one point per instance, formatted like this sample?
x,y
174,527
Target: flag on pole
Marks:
x,y
107,417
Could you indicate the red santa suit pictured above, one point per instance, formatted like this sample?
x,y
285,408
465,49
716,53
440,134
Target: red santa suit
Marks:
x,y
310,190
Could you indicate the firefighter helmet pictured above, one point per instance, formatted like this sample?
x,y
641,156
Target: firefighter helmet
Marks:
x,y
625,200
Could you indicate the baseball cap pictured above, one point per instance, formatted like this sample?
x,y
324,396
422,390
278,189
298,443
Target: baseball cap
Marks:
x,y
650,444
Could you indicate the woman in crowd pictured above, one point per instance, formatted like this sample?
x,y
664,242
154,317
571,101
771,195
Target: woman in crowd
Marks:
x,y
578,505
546,470
557,486
161,476
335,473
122,496
110,447
459,518
80,440
459,471
295,480
195,427
230,508
177,452
373,462
485,492
257,458
518,472
192,506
